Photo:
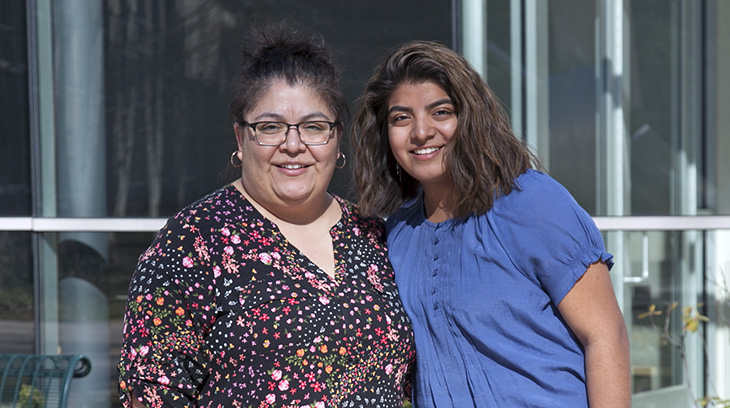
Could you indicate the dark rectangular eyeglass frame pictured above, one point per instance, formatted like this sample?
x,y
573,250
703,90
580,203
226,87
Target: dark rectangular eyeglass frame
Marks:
x,y
286,132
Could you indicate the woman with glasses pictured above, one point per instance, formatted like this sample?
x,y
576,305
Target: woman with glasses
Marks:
x,y
270,292
504,276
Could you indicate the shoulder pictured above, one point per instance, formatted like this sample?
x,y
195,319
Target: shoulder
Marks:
x,y
540,217
535,185
210,211
536,195
353,219
409,213
541,213
197,221
190,243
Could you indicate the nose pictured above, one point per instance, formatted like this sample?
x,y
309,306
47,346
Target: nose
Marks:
x,y
292,143
423,129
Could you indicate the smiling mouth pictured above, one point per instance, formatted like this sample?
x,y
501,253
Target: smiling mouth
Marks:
x,y
292,166
426,150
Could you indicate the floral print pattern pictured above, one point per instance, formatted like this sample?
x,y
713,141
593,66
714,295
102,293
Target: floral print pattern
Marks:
x,y
224,312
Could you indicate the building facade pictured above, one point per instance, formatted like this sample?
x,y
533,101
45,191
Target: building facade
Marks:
x,y
114,115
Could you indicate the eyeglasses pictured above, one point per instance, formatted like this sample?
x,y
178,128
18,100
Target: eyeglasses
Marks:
x,y
311,133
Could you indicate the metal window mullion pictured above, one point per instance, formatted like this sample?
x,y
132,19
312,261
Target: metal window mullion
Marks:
x,y
611,149
632,223
474,34
43,162
689,138
516,68
537,101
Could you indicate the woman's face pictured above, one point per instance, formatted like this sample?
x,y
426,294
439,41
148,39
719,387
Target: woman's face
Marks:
x,y
421,122
291,174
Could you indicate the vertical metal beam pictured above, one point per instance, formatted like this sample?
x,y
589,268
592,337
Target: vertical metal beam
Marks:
x,y
45,270
611,154
537,100
474,34
516,68
686,81
80,126
717,172
613,150
42,97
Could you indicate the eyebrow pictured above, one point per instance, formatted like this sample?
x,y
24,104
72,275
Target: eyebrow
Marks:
x,y
278,117
399,108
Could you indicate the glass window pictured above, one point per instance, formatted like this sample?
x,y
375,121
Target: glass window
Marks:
x,y
654,106
572,98
15,187
673,318
83,305
16,302
714,185
623,100
544,71
143,91
659,289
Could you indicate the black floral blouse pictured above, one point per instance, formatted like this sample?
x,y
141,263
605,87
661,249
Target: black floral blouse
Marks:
x,y
224,312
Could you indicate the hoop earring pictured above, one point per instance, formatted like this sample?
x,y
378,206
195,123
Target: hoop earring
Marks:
x,y
344,160
234,155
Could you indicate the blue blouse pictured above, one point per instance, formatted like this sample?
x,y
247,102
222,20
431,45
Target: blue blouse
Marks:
x,y
482,295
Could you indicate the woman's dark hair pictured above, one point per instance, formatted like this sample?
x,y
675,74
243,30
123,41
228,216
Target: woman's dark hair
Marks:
x,y
281,51
482,160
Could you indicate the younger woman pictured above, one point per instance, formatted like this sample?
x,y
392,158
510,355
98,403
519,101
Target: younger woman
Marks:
x,y
504,276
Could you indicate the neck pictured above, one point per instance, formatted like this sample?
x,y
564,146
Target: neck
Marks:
x,y
295,214
436,204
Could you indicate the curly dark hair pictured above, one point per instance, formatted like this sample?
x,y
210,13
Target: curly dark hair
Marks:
x,y
283,51
482,160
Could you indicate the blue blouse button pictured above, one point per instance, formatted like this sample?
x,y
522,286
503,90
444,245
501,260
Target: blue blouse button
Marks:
x,y
435,306
435,257
435,272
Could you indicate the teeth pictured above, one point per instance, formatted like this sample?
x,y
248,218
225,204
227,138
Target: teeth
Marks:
x,y
425,151
292,166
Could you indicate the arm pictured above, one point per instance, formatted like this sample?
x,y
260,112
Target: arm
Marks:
x,y
165,322
591,311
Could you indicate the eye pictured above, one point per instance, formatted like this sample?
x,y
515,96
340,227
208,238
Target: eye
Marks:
x,y
400,119
443,113
269,127
315,126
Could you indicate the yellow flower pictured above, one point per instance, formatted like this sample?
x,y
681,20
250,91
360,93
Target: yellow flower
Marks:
x,y
692,318
652,312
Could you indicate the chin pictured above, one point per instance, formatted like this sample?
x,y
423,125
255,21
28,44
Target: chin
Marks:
x,y
296,197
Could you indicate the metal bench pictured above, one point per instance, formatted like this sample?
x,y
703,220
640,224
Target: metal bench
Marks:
x,y
39,381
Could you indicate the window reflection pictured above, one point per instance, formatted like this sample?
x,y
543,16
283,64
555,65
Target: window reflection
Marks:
x,y
15,191
16,289
92,287
672,317
654,285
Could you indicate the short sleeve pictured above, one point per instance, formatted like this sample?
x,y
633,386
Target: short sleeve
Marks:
x,y
546,234
170,307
